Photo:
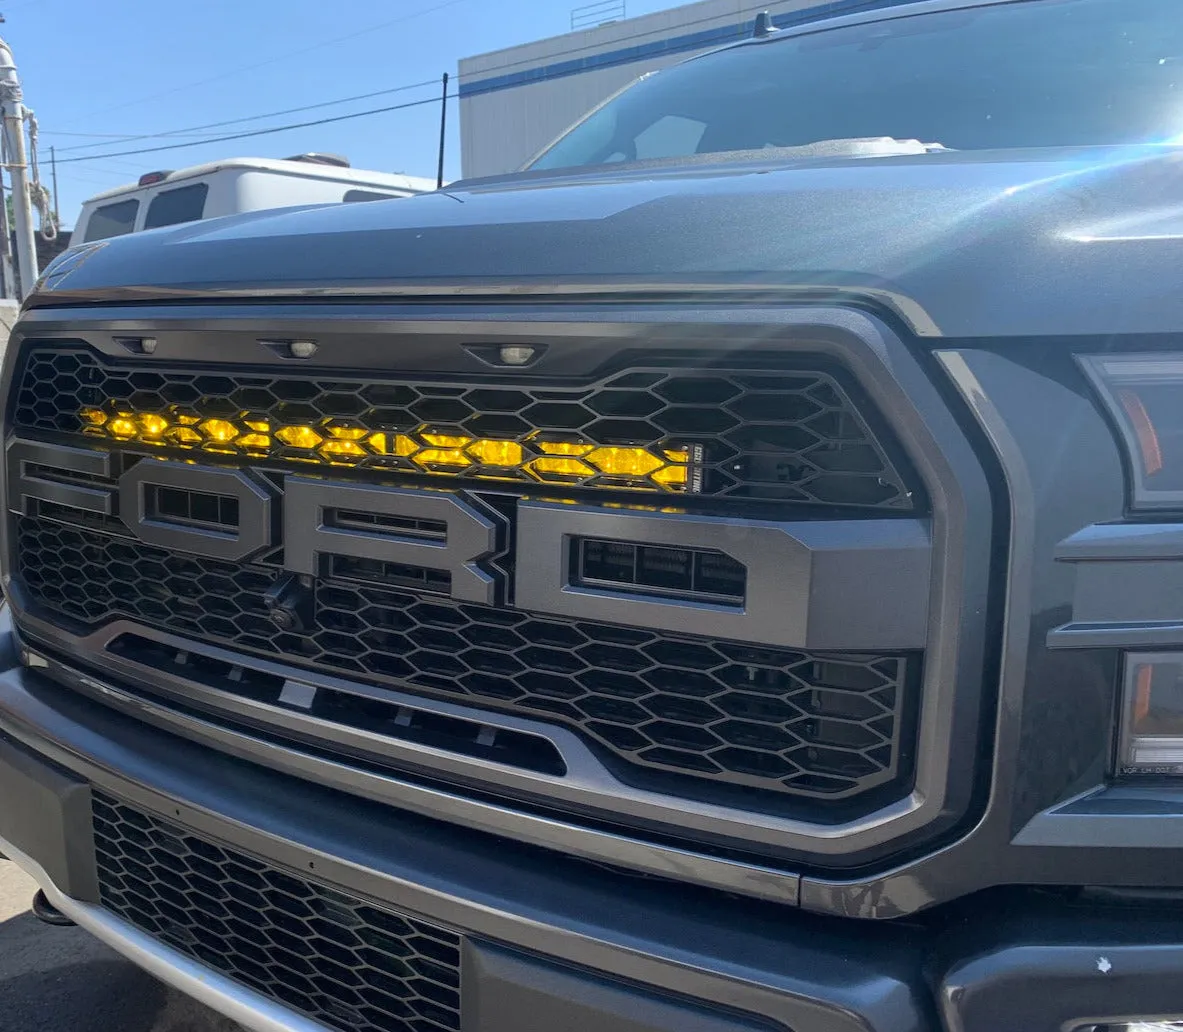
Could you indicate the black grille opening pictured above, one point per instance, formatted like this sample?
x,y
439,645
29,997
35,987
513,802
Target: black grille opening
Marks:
x,y
695,574
397,575
797,435
335,958
388,718
381,523
75,517
192,508
749,725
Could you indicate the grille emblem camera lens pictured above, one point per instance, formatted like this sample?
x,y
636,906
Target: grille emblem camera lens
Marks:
x,y
289,604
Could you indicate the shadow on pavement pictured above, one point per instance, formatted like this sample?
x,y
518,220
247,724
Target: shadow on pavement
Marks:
x,y
64,980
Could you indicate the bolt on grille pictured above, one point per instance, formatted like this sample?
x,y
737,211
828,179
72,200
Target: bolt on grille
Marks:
x,y
770,434
731,715
337,959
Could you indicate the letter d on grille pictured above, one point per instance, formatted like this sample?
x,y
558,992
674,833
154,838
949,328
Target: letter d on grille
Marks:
x,y
840,585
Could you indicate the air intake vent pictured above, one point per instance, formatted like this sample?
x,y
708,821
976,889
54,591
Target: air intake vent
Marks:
x,y
190,508
344,709
694,574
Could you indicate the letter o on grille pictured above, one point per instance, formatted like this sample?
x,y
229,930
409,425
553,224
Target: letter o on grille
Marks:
x,y
256,509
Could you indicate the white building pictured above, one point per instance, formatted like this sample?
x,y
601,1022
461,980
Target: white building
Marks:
x,y
514,102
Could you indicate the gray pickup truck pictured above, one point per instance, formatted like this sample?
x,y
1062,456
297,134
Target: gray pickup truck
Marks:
x,y
727,577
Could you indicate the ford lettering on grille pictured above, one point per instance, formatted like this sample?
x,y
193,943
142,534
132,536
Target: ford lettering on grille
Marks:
x,y
800,580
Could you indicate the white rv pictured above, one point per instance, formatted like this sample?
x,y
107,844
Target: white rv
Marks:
x,y
232,186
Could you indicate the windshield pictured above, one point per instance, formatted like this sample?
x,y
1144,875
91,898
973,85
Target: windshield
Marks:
x,y
1033,74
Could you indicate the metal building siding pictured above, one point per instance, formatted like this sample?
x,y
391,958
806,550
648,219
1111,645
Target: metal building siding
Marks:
x,y
611,36
505,121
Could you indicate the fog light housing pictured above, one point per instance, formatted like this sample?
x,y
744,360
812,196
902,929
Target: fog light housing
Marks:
x,y
1152,715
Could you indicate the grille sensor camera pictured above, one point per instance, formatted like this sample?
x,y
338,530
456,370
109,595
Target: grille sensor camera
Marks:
x,y
289,603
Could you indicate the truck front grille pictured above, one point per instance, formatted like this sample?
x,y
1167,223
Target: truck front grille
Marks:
x,y
337,959
728,715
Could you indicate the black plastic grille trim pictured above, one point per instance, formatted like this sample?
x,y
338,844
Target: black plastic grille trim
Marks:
x,y
730,716
335,958
404,723
768,434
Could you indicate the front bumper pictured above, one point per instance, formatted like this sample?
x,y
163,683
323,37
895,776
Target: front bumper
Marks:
x,y
547,942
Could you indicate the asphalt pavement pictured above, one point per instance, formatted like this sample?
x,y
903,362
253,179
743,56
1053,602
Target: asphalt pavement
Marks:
x,y
65,980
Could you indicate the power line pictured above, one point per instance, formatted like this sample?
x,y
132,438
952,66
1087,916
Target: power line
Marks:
x,y
256,132
254,118
109,139
104,180
91,136
280,57
118,168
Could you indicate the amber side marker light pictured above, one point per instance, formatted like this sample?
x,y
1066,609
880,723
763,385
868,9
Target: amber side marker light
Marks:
x,y
542,456
1143,394
1149,448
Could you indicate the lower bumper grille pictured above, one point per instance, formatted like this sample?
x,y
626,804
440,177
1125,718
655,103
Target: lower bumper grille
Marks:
x,y
334,958
731,716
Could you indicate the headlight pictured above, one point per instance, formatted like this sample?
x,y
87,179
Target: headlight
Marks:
x,y
1144,395
1152,723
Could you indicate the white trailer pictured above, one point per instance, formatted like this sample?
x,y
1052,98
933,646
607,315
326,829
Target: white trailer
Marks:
x,y
167,198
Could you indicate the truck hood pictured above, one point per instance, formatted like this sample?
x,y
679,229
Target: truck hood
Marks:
x,y
974,244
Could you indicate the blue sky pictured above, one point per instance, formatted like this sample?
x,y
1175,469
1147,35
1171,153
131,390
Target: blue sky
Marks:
x,y
125,67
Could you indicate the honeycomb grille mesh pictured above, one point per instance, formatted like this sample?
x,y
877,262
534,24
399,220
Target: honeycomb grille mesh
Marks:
x,y
733,715
339,960
791,435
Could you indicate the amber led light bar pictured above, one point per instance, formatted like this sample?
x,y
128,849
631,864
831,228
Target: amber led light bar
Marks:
x,y
541,456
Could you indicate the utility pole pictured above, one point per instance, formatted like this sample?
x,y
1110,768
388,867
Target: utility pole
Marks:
x,y
439,179
12,112
53,164
7,278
